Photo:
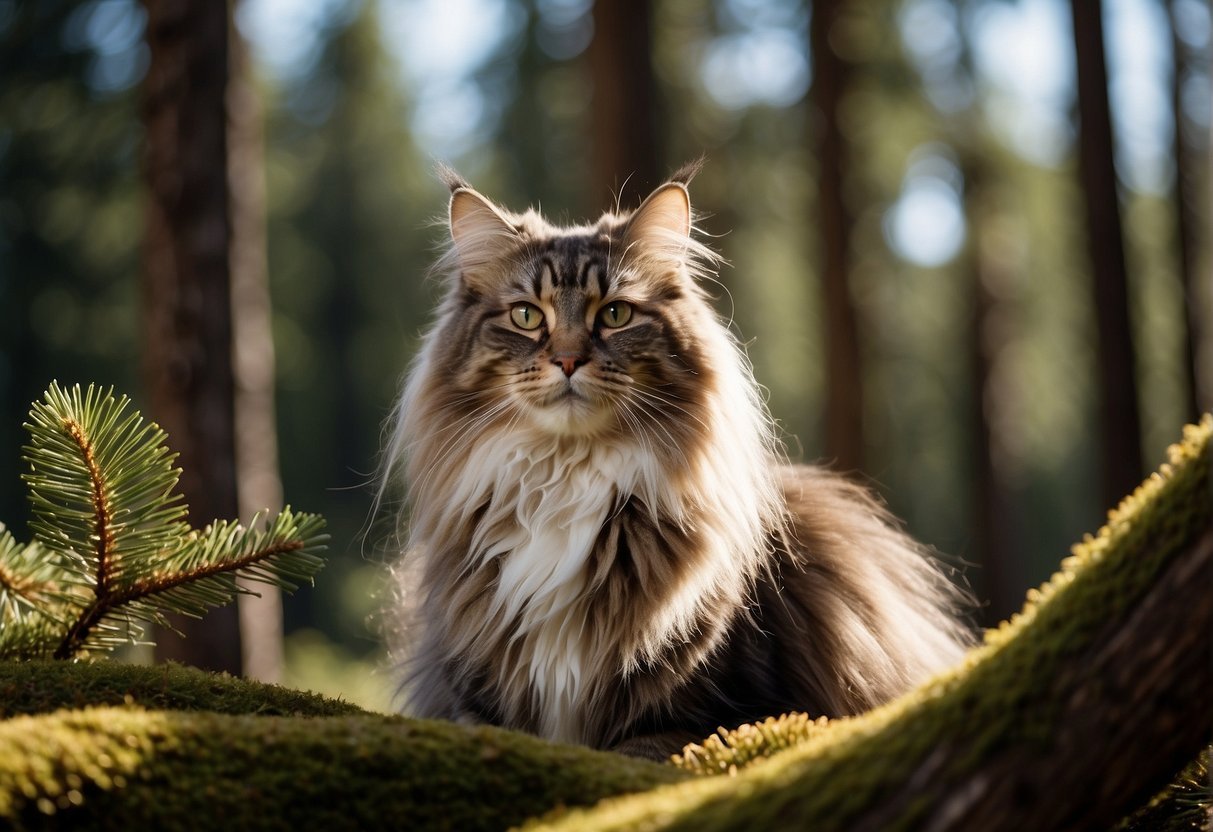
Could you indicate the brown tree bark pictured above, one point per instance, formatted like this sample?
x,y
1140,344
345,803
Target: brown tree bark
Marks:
x,y
259,484
1187,220
844,378
1001,577
1115,743
187,358
1120,448
625,141
1002,574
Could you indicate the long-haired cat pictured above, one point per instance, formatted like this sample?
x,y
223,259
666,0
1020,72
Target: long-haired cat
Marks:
x,y
604,543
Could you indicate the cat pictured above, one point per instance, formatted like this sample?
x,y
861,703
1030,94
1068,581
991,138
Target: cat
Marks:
x,y
605,543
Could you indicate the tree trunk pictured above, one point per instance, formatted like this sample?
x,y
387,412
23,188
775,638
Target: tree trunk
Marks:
x,y
844,378
1187,220
187,361
993,530
1002,576
259,485
624,140
1120,449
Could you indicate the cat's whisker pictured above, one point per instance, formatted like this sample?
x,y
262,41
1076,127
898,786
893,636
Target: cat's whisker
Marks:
x,y
657,397
425,439
481,392
637,429
469,427
638,410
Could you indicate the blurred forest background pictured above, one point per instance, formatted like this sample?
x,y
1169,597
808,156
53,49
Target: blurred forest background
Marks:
x,y
969,240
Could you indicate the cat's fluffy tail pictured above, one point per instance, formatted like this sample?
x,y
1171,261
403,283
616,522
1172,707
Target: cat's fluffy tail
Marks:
x,y
883,614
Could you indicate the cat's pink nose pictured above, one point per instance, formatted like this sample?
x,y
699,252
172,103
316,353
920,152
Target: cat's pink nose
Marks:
x,y
569,362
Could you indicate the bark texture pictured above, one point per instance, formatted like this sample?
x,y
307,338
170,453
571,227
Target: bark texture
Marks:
x,y
995,533
1187,200
1145,718
259,485
624,140
1120,449
844,378
187,355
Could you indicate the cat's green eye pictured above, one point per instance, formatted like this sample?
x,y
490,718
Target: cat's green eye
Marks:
x,y
526,316
616,314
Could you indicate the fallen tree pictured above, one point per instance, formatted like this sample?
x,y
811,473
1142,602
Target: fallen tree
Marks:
x,y
116,768
1071,715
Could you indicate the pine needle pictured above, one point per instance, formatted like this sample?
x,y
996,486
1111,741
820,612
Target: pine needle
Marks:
x,y
112,549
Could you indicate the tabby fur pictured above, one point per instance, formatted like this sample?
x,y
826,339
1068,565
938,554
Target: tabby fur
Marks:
x,y
605,544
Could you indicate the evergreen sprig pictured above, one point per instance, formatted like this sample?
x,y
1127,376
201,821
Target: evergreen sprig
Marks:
x,y
112,548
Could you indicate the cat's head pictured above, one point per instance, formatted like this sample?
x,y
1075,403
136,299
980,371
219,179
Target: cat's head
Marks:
x,y
590,330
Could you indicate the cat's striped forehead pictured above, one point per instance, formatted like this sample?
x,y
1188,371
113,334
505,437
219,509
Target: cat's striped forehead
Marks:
x,y
573,262
579,262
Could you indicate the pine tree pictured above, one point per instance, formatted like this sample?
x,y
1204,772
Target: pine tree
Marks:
x,y
112,550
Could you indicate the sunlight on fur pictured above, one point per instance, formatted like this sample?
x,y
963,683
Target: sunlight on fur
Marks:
x,y
603,541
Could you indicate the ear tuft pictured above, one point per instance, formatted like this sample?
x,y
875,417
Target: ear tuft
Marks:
x,y
450,177
689,171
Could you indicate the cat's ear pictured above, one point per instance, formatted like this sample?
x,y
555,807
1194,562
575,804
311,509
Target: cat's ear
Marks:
x,y
480,233
662,223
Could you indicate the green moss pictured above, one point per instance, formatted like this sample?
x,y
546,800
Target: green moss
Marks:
x,y
1001,695
42,686
127,768
727,751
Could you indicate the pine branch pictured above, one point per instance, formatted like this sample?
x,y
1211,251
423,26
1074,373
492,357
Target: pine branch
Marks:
x,y
104,533
35,598
284,555
101,484
31,637
112,547
1186,804
23,586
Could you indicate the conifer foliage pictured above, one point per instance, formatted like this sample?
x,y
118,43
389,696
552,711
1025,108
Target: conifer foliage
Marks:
x,y
113,549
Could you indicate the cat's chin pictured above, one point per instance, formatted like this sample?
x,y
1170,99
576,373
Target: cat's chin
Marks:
x,y
572,415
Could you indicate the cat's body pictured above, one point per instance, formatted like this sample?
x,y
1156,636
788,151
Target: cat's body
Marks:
x,y
604,546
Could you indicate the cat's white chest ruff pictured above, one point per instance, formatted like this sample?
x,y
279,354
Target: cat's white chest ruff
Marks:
x,y
547,508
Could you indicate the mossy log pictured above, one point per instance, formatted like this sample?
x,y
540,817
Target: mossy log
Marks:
x,y
45,685
1070,716
122,768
